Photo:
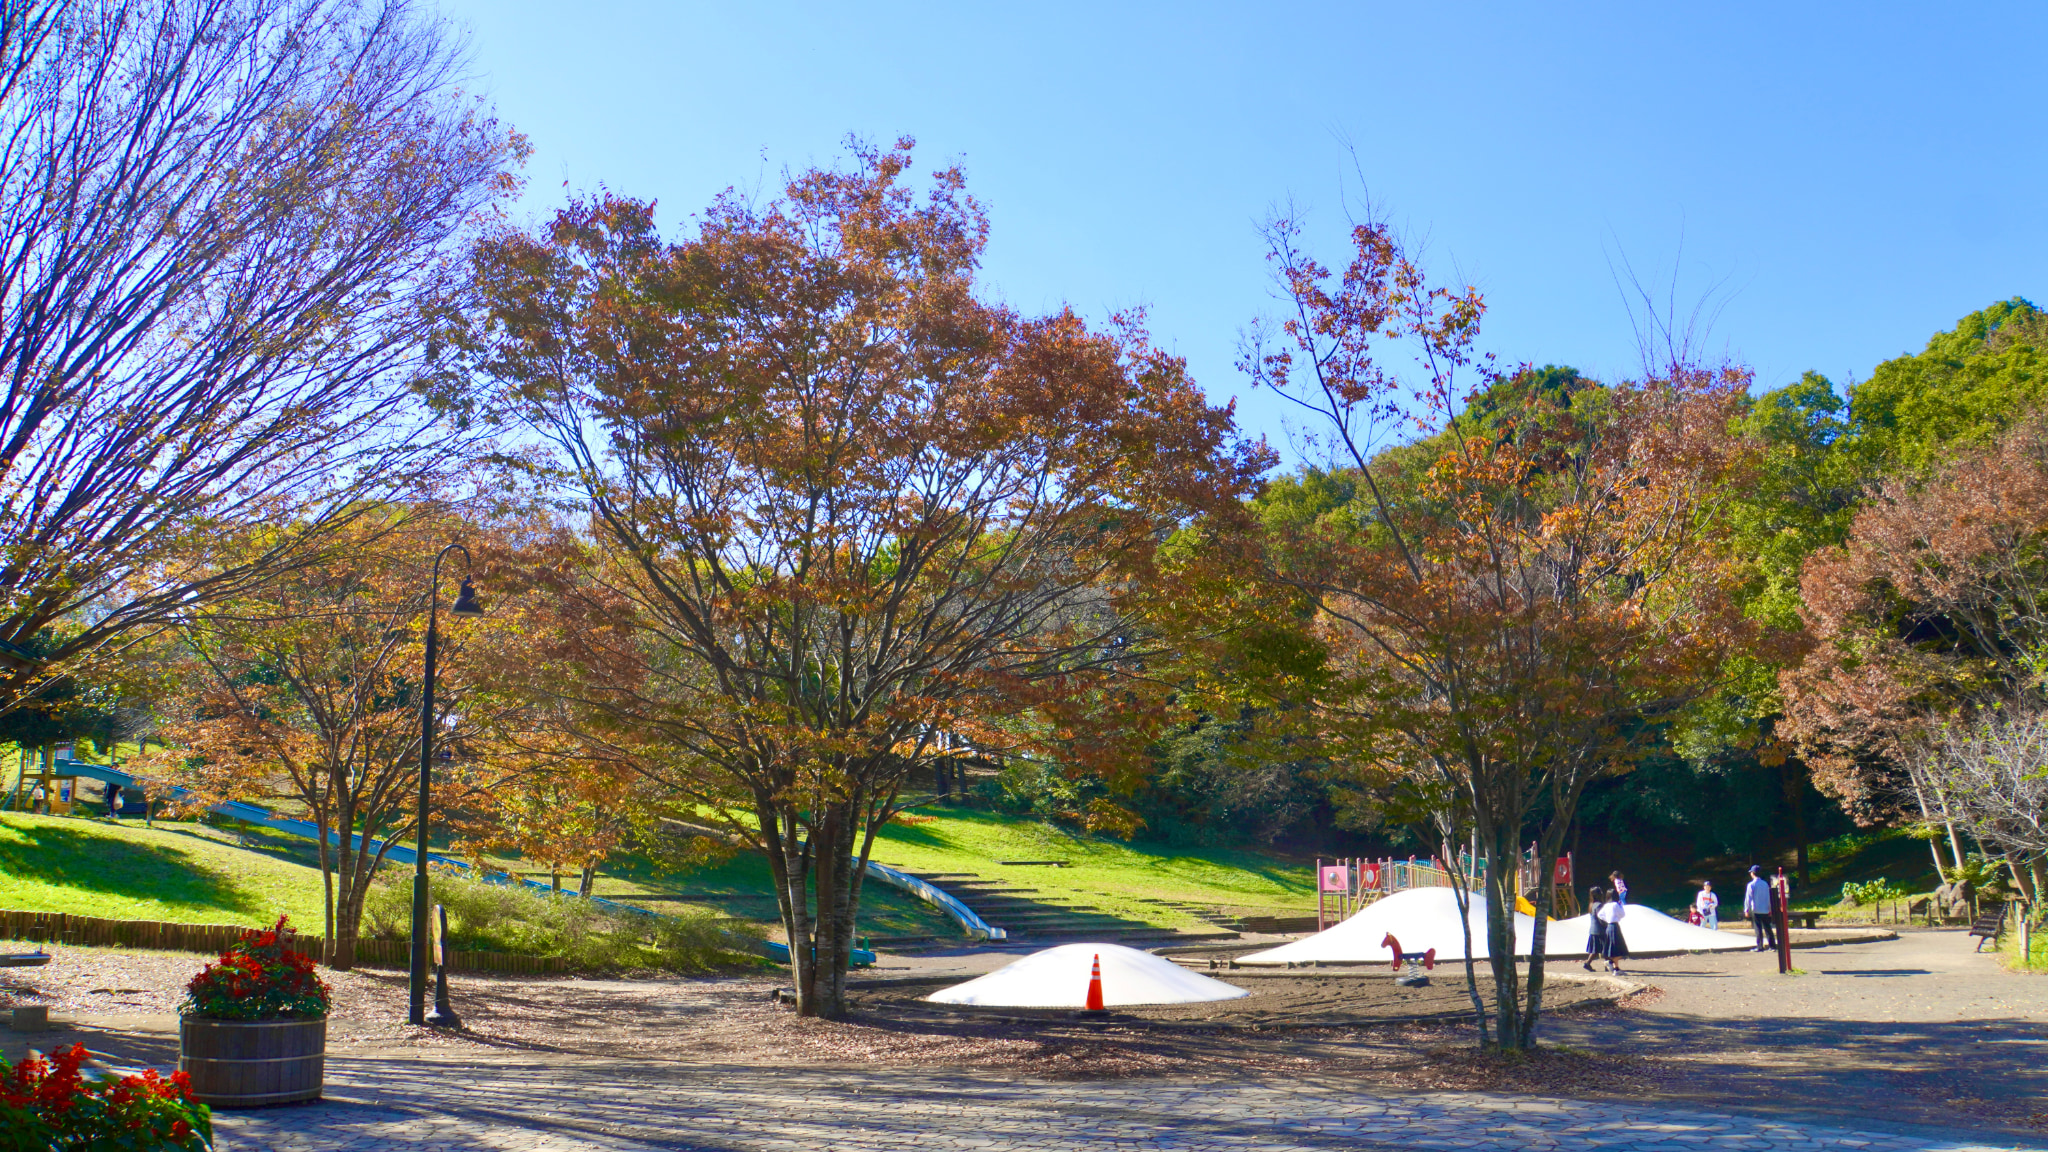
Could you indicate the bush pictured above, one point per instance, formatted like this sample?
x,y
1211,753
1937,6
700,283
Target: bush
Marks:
x,y
53,1104
259,978
1878,891
485,916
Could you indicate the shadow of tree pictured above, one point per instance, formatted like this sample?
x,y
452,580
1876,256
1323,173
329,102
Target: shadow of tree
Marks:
x,y
78,859
1972,1073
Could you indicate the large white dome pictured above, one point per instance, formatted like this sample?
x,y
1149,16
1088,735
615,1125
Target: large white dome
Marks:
x,y
1425,918
1058,978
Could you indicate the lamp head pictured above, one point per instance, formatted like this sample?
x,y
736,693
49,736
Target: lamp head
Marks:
x,y
465,601
13,657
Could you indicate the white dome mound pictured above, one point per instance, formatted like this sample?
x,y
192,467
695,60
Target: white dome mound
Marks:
x,y
1058,978
1425,918
1421,919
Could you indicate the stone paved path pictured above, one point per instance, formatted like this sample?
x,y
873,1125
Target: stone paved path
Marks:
x,y
574,1106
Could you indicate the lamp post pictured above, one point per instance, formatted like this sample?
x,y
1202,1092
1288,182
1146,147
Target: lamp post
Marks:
x,y
465,605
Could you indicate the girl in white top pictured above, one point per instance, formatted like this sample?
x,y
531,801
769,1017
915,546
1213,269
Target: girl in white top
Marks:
x,y
1609,917
1708,906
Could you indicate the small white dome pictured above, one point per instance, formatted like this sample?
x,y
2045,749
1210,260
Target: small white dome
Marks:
x,y
1058,978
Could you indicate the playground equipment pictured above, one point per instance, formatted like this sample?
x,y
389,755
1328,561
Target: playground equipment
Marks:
x,y
1344,886
1417,962
1087,977
1427,916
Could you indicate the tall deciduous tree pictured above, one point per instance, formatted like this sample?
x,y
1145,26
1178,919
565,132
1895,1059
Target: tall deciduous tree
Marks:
x,y
309,695
1937,603
847,512
1510,602
223,226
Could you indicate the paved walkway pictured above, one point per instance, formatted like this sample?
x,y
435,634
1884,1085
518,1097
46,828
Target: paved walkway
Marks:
x,y
573,1106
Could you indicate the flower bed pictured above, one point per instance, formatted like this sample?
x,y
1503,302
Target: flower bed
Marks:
x,y
254,1026
259,977
55,1103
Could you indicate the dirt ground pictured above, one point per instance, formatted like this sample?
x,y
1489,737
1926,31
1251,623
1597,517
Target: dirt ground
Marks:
x,y
1916,1030
121,1002
1277,1000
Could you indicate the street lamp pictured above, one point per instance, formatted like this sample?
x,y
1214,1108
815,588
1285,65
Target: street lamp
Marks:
x,y
465,605
15,658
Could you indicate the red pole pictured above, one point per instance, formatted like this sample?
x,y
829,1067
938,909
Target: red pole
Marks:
x,y
1784,918
1319,895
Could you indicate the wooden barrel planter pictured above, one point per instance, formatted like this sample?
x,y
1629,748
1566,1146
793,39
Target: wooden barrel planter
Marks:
x,y
251,1063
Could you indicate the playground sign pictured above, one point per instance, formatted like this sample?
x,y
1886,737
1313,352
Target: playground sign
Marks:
x,y
1335,878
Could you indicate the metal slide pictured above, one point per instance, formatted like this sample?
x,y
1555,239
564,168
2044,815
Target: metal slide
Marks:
x,y
976,927
396,853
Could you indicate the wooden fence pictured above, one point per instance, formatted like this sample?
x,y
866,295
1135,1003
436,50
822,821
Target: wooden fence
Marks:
x,y
60,928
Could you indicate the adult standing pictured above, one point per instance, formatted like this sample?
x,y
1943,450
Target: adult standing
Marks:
x,y
1756,904
1708,906
113,801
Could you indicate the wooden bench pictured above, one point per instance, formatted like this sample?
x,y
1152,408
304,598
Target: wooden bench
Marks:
x,y
1803,919
1990,924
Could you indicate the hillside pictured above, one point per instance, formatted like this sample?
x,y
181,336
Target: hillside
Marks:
x,y
180,872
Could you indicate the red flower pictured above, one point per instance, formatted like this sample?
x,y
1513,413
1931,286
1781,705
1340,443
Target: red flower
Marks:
x,y
180,1131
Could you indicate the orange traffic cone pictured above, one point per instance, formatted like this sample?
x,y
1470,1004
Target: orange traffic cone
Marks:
x,y
1095,985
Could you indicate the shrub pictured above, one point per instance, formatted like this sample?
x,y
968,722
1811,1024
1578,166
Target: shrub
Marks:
x,y
53,1104
1878,891
497,917
259,978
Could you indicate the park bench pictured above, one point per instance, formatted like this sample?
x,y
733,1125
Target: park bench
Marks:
x,y
1990,924
1804,919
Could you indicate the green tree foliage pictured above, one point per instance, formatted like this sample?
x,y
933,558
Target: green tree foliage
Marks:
x,y
1968,385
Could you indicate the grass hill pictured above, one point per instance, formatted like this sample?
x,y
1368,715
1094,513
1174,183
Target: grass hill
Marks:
x,y
190,872
1129,880
180,872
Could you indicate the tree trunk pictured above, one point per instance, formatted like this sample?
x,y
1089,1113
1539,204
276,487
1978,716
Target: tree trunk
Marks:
x,y
1462,894
1539,936
1504,857
788,860
1792,780
830,861
587,881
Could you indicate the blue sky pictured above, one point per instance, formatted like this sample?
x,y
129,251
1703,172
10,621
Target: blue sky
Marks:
x,y
1837,182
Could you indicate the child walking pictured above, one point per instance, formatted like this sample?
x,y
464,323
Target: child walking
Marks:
x,y
1596,934
1708,906
1609,918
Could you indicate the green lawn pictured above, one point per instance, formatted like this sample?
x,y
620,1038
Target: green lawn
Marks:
x,y
192,873
179,872
1113,875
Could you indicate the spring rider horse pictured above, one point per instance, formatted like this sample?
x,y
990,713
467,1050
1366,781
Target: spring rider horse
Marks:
x,y
1416,961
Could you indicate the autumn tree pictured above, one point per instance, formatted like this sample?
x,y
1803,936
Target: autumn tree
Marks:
x,y
308,696
532,789
1987,770
1932,610
1515,598
223,233
844,511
